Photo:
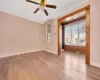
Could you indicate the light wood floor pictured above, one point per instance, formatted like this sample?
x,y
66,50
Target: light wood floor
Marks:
x,y
46,66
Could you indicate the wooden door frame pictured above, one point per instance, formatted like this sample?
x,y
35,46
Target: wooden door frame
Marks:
x,y
87,48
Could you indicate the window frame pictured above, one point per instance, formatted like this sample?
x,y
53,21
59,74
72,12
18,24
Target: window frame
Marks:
x,y
47,35
78,32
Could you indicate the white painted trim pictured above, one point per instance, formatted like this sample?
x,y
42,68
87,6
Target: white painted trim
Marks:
x,y
95,64
19,53
49,51
26,52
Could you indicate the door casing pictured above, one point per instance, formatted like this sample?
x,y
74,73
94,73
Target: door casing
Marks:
x,y
87,48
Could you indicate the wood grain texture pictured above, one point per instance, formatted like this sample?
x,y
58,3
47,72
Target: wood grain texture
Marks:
x,y
72,48
75,12
87,49
44,66
74,20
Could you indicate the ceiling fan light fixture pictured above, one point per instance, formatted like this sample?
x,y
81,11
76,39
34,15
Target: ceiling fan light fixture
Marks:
x,y
42,3
42,6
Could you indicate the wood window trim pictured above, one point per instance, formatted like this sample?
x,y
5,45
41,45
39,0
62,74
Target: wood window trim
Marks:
x,y
74,20
87,49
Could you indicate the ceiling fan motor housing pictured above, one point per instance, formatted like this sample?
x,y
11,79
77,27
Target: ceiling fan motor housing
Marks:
x,y
42,3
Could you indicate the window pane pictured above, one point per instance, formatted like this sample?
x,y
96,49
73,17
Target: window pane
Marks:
x,y
48,32
82,31
68,35
75,33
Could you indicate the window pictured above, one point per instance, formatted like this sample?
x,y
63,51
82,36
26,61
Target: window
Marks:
x,y
48,32
75,33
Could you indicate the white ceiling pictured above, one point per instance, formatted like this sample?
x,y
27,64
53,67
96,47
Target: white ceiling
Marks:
x,y
25,10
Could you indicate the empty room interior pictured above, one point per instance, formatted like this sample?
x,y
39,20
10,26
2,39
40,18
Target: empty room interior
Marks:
x,y
73,37
49,40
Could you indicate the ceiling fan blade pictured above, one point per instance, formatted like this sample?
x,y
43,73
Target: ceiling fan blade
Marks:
x,y
32,1
51,6
36,10
46,12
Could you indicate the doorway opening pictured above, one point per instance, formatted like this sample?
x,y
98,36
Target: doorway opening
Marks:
x,y
74,33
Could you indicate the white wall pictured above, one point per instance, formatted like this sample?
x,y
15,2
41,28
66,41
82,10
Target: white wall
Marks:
x,y
19,36
52,45
94,32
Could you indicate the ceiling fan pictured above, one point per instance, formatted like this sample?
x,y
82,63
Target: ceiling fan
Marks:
x,y
42,4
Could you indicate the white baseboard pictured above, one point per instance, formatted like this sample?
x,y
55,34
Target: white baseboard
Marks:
x,y
24,52
50,52
95,64
19,53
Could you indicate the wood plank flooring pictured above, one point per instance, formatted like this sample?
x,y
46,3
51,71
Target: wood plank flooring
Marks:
x,y
46,66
